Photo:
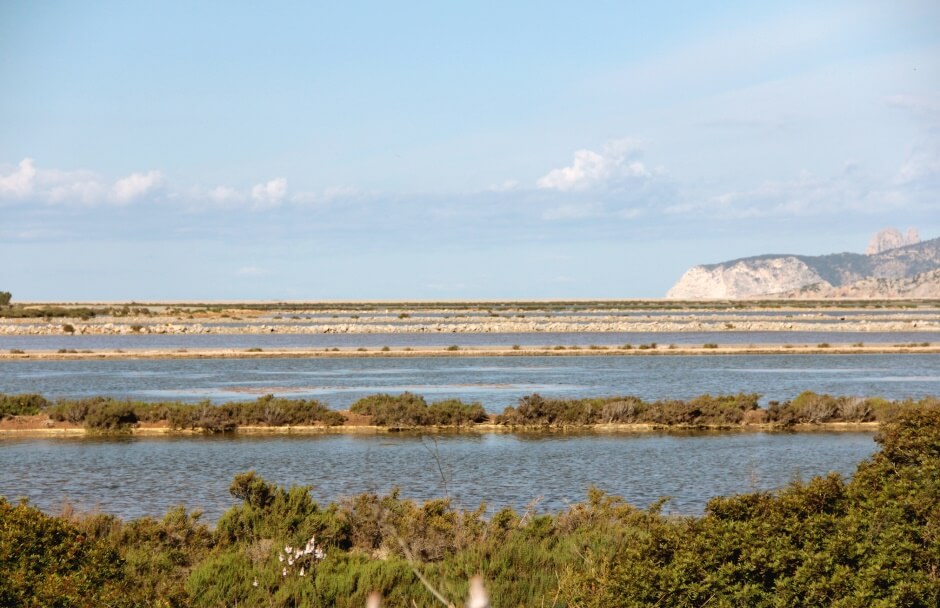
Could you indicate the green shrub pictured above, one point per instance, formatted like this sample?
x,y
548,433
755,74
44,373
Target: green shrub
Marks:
x,y
27,404
47,561
824,542
701,411
866,541
408,409
111,416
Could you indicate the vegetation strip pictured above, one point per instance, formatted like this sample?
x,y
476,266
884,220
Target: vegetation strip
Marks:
x,y
410,411
641,350
873,540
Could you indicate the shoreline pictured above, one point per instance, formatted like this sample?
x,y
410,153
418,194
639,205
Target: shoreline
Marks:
x,y
65,430
473,351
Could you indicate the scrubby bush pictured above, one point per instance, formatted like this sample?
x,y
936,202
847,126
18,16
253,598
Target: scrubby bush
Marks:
x,y
408,409
103,414
703,410
867,541
27,404
74,411
111,416
273,411
47,561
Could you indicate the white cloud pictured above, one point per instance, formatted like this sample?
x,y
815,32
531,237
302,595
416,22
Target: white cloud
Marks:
x,y
269,194
618,161
224,194
73,187
19,183
135,185
85,191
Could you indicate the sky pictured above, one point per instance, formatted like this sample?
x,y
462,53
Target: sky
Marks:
x,y
452,150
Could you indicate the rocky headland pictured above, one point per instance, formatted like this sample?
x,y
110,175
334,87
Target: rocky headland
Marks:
x,y
895,266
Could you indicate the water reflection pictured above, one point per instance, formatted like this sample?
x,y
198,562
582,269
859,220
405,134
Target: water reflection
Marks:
x,y
495,382
134,476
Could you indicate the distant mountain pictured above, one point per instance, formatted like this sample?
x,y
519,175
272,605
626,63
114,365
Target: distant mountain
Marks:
x,y
891,238
907,268
923,285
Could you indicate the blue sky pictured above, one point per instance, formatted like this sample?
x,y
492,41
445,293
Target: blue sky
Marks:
x,y
221,150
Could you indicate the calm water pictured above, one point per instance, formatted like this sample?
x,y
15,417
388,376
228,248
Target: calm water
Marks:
x,y
495,381
443,339
131,477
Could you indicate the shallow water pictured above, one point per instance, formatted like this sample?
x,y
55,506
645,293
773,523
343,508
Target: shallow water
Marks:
x,y
494,381
138,476
444,339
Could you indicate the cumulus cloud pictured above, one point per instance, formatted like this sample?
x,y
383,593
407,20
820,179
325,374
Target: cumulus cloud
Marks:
x,y
19,183
270,194
617,161
74,187
136,185
224,194
53,186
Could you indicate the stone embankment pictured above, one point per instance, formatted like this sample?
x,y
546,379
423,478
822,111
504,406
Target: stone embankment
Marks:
x,y
568,324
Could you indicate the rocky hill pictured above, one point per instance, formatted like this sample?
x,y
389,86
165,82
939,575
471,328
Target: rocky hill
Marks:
x,y
923,285
891,238
907,271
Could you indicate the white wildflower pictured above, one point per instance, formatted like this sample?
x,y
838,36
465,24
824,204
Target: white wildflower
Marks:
x,y
255,583
301,571
284,572
479,598
280,558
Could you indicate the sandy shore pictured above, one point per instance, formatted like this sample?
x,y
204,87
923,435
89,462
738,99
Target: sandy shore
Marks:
x,y
477,351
